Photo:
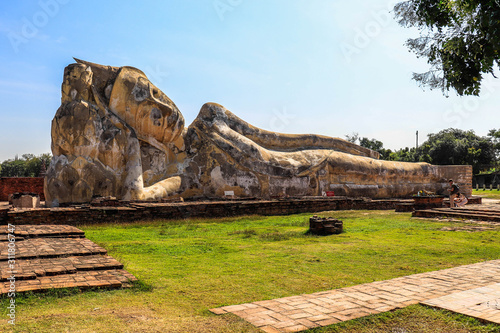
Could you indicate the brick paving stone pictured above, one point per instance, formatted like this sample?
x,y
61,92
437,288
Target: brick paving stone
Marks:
x,y
295,328
269,329
296,313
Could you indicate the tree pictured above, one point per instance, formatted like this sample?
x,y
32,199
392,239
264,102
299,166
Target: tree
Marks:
x,y
377,146
353,138
494,134
459,38
405,155
27,166
372,144
458,147
13,168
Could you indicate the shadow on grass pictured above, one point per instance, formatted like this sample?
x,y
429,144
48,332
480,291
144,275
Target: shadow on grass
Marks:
x,y
55,293
414,318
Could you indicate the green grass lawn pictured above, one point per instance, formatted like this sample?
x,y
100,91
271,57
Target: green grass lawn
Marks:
x,y
493,194
186,267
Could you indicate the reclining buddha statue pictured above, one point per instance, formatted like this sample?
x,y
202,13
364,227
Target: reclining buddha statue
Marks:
x,y
116,134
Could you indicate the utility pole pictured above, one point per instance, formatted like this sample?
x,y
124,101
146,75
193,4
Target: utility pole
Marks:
x,y
417,139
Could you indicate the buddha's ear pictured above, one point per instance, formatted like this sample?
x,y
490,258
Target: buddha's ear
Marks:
x,y
95,66
103,76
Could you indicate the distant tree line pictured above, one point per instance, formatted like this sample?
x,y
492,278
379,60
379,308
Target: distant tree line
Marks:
x,y
28,165
448,147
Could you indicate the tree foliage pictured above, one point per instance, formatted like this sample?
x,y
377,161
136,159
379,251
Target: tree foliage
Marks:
x,y
451,147
377,146
447,147
458,147
459,38
372,144
494,134
28,165
353,138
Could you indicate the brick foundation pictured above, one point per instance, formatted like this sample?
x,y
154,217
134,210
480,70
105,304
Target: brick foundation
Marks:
x,y
152,211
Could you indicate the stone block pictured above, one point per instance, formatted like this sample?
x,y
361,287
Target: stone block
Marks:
x,y
25,200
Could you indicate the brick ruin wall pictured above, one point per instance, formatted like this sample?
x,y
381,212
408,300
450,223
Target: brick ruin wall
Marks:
x,y
10,185
461,175
128,212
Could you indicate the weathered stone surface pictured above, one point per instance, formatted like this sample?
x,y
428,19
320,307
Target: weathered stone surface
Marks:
x,y
116,134
25,200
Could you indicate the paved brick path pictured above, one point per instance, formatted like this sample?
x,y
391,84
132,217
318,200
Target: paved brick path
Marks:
x,y
56,256
482,303
297,313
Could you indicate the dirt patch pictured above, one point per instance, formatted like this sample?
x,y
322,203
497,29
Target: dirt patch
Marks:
x,y
470,228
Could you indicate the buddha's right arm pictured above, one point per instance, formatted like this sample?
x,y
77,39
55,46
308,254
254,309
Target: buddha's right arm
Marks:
x,y
212,114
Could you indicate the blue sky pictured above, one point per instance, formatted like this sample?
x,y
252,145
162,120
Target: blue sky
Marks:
x,y
294,66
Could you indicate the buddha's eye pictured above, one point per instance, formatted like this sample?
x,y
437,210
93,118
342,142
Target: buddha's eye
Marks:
x,y
140,93
156,116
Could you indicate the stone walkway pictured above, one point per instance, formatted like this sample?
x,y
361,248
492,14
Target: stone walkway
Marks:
x,y
482,303
297,313
55,256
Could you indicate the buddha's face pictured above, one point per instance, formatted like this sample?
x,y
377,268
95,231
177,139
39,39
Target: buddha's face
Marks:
x,y
145,107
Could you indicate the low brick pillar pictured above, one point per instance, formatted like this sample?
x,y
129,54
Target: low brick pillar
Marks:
x,y
325,225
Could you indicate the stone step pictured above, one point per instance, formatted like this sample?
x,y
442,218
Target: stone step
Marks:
x,y
458,213
404,207
32,268
33,231
115,278
484,211
50,247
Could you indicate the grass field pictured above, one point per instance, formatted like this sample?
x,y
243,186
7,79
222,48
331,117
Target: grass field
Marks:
x,y
493,194
186,267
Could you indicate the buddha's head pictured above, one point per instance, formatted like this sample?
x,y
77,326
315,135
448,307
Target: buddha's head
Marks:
x,y
138,102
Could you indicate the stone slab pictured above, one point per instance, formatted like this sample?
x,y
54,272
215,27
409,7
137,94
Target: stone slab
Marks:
x,y
482,303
